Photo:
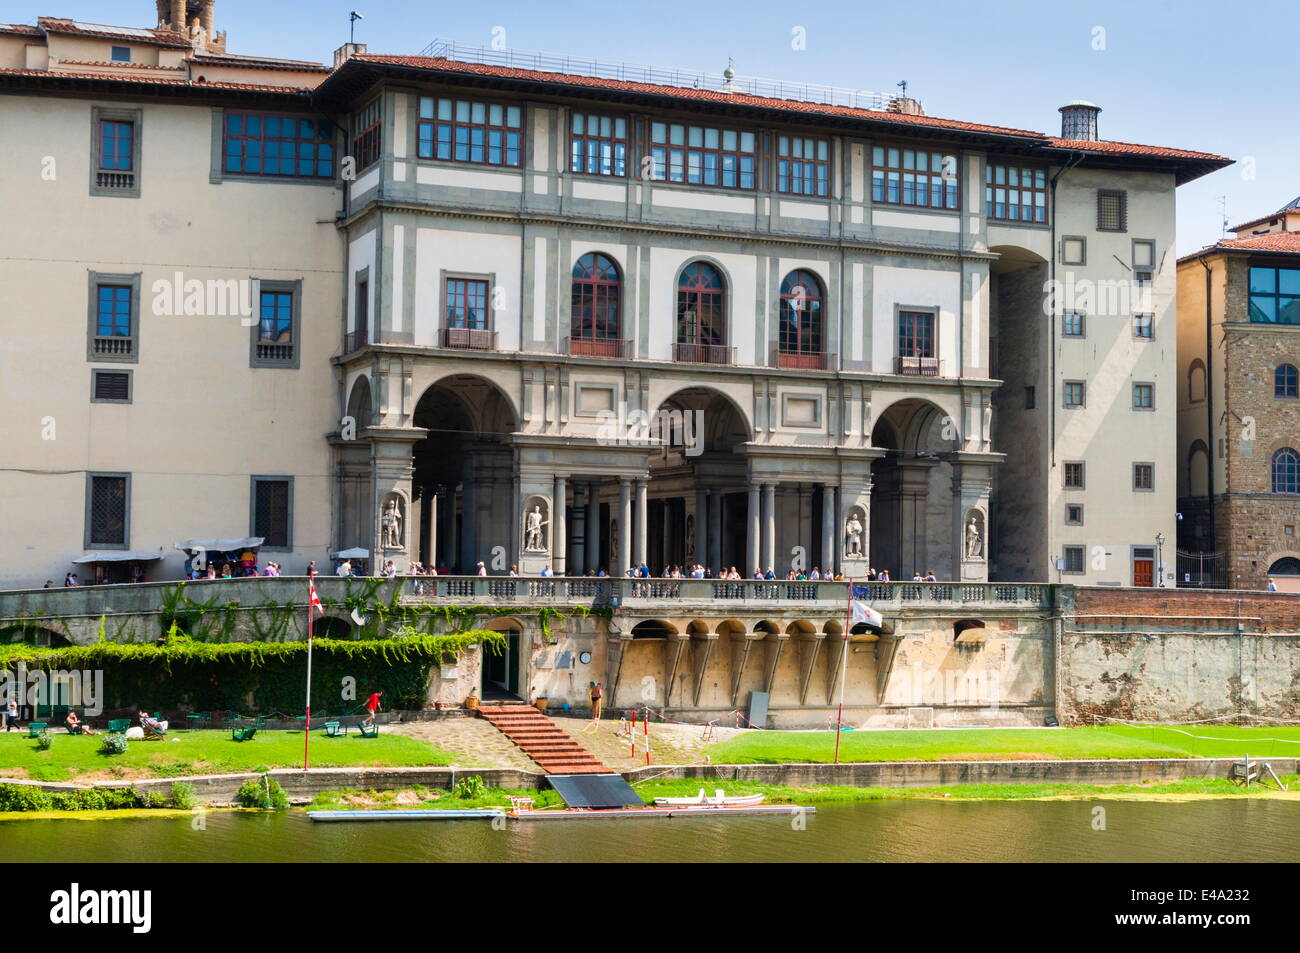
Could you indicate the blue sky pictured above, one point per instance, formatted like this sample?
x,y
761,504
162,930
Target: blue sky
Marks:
x,y
1197,75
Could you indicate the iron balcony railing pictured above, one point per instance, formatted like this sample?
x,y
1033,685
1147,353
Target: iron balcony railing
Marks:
x,y
704,354
356,340
471,339
598,347
919,367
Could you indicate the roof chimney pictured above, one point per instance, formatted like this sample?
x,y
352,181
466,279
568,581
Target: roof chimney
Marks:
x,y
346,52
1079,120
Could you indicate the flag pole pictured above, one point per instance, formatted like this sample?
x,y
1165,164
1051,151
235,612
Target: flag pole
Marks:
x,y
306,724
844,666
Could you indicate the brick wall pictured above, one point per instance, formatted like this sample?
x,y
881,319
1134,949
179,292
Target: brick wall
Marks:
x,y
1277,612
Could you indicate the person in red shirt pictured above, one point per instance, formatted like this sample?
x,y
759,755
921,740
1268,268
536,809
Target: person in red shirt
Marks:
x,y
372,706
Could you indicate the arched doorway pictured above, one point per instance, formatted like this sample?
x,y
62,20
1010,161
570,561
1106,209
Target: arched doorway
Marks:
x,y
463,474
911,492
698,482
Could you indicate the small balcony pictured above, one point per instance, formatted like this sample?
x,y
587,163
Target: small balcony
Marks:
x,y
272,351
468,339
598,347
118,181
704,354
805,360
919,366
113,346
356,340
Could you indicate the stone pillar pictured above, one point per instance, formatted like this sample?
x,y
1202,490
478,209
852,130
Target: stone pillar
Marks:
x,y
769,526
972,480
715,530
624,527
640,520
829,531
754,532
559,528
390,483
701,526
592,528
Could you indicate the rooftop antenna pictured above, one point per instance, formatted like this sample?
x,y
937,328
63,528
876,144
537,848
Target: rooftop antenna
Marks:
x,y
903,86
353,17
1223,207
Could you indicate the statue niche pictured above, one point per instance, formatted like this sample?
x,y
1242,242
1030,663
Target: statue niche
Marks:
x,y
392,522
535,525
854,527
974,545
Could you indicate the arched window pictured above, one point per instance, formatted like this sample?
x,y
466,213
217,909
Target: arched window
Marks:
x,y
1286,471
1286,381
597,289
1196,381
800,342
701,302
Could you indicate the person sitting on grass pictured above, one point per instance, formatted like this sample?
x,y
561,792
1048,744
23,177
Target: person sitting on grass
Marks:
x,y
75,727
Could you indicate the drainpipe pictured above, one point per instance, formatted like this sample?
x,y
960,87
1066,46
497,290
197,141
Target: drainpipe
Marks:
x,y
1209,403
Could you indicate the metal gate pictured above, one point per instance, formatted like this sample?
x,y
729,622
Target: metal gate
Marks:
x,y
1202,570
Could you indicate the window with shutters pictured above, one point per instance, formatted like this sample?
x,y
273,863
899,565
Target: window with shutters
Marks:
x,y
272,511
108,509
1112,210
110,387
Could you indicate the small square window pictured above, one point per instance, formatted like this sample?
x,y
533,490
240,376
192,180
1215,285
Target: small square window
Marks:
x,y
1072,394
1142,278
1072,324
110,387
1144,396
1074,476
121,54
1031,398
1072,559
1144,254
1144,476
1074,514
1074,250
1143,326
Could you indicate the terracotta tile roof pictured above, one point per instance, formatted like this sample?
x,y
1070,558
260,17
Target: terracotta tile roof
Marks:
x,y
120,66
152,81
21,29
1285,243
1133,149
209,59
1289,210
153,37
680,92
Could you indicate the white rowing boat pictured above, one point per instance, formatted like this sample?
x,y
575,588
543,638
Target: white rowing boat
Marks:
x,y
719,799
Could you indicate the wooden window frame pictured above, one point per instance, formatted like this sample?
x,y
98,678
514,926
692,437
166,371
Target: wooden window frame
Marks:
x,y
1065,324
786,165
117,183
951,203
489,323
584,140
814,304
261,353
588,293
433,123
317,143
367,141
991,185
1150,390
1149,468
1277,295
662,151
1083,395
1285,463
97,346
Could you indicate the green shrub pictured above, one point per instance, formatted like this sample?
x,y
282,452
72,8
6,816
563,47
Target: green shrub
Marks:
x,y
18,797
470,788
183,796
44,741
153,799
264,792
113,744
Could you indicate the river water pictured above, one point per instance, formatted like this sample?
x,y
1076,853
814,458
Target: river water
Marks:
x,y
1226,829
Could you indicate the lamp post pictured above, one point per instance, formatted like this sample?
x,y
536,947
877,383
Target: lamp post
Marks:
x,y
1160,559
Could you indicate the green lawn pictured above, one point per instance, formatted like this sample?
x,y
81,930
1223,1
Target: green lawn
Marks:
x,y
206,752
976,744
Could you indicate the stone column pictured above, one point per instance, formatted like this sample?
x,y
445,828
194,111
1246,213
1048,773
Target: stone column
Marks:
x,y
972,480
593,527
828,528
769,526
559,528
715,530
701,526
754,533
641,520
624,527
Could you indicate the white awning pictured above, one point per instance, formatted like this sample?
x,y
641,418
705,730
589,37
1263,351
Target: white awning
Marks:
x,y
220,545
355,552
116,556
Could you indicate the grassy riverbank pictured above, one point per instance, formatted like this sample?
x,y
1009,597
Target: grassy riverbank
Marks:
x,y
993,744
417,798
78,758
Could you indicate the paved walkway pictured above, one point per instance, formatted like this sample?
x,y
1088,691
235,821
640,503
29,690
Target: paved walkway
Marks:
x,y
472,741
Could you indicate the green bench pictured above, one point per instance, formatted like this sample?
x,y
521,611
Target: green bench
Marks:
x,y
369,731
243,734
34,728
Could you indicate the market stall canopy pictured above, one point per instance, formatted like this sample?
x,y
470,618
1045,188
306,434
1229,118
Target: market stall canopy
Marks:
x,y
355,552
116,556
221,545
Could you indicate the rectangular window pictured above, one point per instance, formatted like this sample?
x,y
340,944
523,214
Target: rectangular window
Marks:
x,y
1031,398
460,130
915,334
1015,194
1074,476
467,304
1074,250
116,145
261,144
1144,476
279,318
1143,326
367,127
1072,559
1073,394
1074,514
114,318
361,331
1144,254
1072,324
272,516
1275,295
108,510
1144,396
802,165
914,177
1142,279
703,155
110,387
598,144
115,148
1112,210
120,54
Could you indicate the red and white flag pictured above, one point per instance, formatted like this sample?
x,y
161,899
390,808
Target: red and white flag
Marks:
x,y
865,613
314,601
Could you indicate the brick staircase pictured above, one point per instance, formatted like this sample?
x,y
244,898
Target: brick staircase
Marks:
x,y
541,739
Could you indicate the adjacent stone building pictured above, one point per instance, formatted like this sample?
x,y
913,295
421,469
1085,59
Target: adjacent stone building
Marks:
x,y
1239,400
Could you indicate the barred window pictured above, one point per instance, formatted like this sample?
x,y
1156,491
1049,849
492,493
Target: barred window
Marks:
x,y
272,511
261,144
802,165
1112,210
913,177
461,130
703,155
1072,556
598,144
1014,194
1144,476
106,509
1074,476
